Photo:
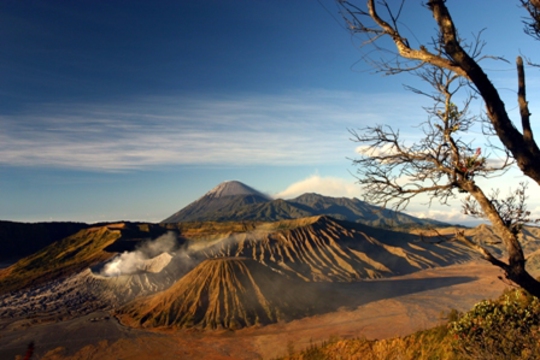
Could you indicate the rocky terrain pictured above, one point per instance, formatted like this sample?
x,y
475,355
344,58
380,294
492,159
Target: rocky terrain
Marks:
x,y
324,249
88,291
306,276
85,278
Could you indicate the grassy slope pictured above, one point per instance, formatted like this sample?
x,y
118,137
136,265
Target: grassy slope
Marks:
x,y
59,259
18,240
424,345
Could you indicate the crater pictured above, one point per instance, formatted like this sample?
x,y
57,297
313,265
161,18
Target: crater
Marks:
x,y
131,264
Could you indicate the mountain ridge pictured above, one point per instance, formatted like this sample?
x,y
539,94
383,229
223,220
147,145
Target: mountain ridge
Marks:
x,y
323,249
234,201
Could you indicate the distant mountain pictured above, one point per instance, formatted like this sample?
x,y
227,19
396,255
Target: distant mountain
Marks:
x,y
358,211
224,198
233,188
234,201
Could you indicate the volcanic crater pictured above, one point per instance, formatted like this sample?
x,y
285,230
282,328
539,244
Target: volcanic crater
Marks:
x,y
212,275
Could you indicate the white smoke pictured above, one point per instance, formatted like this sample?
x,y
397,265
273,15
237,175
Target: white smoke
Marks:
x,y
136,261
328,186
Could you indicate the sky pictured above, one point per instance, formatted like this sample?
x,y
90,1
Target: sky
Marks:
x,y
131,110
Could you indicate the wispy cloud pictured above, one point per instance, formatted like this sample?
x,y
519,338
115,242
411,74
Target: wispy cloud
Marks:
x,y
448,214
329,186
308,127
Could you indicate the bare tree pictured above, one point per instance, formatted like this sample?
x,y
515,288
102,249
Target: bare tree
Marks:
x,y
532,23
443,163
380,19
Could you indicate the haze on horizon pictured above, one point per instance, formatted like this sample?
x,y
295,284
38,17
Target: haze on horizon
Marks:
x,y
116,111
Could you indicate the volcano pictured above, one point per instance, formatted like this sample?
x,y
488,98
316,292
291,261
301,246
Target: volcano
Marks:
x,y
235,201
224,198
220,293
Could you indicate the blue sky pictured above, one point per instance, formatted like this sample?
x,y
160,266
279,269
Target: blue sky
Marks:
x,y
130,110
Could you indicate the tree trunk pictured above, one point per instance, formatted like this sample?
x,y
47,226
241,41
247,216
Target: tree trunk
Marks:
x,y
527,157
515,268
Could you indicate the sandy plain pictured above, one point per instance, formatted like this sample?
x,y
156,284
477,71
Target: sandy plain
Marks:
x,y
372,309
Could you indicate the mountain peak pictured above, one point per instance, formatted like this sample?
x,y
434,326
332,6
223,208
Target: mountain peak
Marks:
x,y
234,201
233,188
226,197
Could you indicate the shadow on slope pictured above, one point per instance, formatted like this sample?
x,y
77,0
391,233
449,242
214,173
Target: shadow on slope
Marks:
x,y
232,293
324,249
18,240
75,253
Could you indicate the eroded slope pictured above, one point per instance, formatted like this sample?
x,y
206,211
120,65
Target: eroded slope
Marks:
x,y
222,293
323,249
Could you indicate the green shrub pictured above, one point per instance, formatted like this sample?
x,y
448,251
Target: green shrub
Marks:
x,y
506,328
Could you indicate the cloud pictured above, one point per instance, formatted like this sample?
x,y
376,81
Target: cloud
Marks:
x,y
338,187
451,215
304,127
329,186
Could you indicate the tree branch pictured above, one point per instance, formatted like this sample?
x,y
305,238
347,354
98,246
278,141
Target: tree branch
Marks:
x,y
442,162
523,104
405,50
528,158
485,253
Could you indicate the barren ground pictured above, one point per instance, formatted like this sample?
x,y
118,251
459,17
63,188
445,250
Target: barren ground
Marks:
x,y
373,309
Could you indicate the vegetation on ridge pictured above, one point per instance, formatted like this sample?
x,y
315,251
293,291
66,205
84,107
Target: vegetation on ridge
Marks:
x,y
75,253
18,240
501,329
59,259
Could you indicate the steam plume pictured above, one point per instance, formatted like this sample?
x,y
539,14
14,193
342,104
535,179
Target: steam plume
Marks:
x,y
133,262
